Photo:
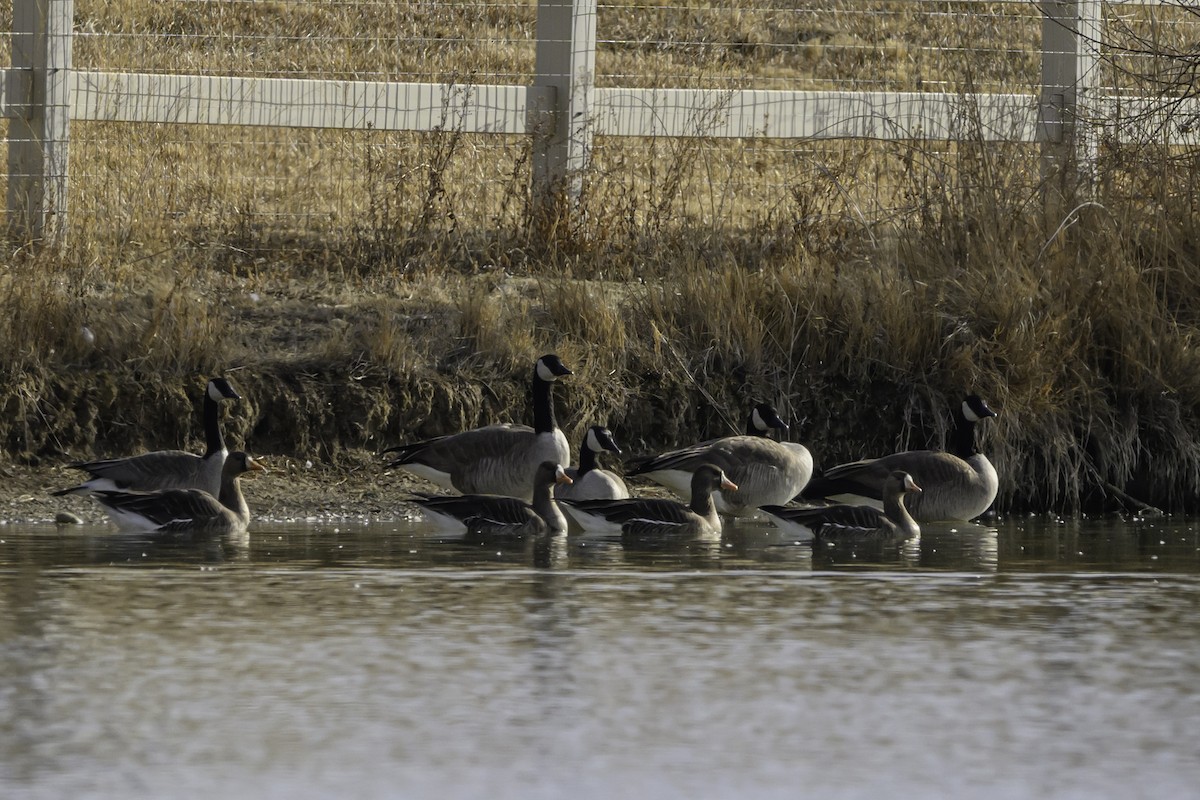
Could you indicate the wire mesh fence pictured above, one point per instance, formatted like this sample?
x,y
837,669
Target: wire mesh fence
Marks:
x,y
365,197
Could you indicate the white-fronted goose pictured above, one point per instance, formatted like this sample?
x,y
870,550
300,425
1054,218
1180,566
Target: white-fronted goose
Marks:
x,y
766,471
590,482
649,516
167,469
495,515
847,521
958,484
495,459
185,510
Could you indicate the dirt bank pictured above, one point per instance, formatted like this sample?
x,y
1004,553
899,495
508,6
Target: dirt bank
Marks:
x,y
357,487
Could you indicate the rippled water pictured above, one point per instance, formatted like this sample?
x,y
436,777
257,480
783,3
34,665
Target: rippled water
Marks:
x,y
1033,659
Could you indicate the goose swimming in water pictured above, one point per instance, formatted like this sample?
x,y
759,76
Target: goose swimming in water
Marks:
x,y
166,469
765,471
185,510
648,516
495,459
958,484
847,521
494,515
590,482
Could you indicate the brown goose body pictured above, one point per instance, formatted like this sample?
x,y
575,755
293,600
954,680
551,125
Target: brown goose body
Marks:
x,y
495,459
185,510
650,516
764,470
496,515
958,484
850,521
166,469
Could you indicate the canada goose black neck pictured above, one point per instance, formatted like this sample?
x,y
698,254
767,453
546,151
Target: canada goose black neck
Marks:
x,y
596,439
587,459
212,427
962,441
546,370
543,406
218,389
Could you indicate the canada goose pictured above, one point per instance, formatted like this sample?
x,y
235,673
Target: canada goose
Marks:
x,y
651,515
958,484
185,510
496,515
842,521
495,459
591,482
166,469
766,471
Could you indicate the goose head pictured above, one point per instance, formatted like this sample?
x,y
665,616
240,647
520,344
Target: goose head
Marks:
x,y
599,438
221,389
763,419
239,463
550,368
709,478
901,483
974,409
548,473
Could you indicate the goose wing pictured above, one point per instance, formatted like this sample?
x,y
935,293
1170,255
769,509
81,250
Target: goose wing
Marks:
x,y
834,520
658,528
480,510
495,459
451,452
622,511
867,477
162,469
173,509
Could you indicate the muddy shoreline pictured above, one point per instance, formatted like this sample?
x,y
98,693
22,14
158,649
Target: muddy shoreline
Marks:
x,y
293,489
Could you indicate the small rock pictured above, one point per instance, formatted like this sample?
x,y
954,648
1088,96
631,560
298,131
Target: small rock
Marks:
x,y
67,518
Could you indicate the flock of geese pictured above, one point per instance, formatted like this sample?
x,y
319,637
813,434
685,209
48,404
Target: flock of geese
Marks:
x,y
512,480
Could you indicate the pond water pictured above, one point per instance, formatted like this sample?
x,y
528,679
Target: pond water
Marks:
x,y
1032,658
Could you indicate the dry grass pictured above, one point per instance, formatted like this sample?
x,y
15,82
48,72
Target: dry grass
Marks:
x,y
365,288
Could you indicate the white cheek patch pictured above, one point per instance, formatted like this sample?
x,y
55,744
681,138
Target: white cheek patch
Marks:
x,y
969,412
545,373
757,419
214,393
593,442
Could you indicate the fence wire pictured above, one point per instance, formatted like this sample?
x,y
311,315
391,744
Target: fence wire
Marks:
x,y
257,193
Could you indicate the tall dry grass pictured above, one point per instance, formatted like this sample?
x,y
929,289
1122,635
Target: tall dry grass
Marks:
x,y
364,288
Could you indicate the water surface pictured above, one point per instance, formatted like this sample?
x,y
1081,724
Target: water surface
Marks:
x,y
1034,658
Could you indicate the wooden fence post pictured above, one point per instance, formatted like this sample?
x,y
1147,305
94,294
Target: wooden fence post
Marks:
x,y
562,127
1071,37
38,133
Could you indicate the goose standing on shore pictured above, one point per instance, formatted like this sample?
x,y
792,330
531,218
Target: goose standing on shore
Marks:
x,y
167,469
649,516
494,515
590,482
765,471
849,521
495,459
958,484
185,510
